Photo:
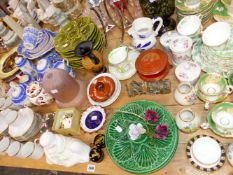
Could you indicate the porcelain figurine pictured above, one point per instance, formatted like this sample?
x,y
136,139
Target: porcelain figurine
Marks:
x,y
61,150
144,36
37,95
187,120
185,94
230,154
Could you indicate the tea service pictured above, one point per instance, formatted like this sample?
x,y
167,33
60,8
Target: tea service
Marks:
x,y
144,36
122,62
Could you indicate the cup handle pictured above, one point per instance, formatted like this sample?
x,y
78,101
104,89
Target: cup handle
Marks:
x,y
229,89
207,106
160,20
37,141
205,126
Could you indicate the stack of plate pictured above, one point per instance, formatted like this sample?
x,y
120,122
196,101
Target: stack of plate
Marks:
x,y
210,60
206,153
204,10
82,29
45,44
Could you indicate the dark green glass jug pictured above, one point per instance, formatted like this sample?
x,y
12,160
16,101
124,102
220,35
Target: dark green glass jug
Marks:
x,y
162,8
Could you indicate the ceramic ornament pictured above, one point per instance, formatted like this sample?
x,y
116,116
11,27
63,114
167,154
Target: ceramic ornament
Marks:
x,y
65,151
93,119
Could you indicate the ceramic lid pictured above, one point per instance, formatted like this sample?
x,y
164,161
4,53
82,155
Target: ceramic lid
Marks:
x,y
188,71
206,150
151,62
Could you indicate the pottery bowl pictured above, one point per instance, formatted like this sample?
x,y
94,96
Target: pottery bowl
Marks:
x,y
212,84
190,26
216,35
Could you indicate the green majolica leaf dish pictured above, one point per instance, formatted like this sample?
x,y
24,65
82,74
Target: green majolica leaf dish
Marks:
x,y
223,106
146,154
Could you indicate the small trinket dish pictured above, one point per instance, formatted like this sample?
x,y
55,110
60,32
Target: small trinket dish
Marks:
x,y
66,121
152,65
103,89
188,72
93,119
206,153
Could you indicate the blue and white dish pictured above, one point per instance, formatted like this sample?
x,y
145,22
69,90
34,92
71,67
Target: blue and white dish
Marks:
x,y
31,30
30,41
53,56
18,95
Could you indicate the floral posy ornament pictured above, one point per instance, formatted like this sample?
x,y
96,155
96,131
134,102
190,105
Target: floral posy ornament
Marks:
x,y
135,131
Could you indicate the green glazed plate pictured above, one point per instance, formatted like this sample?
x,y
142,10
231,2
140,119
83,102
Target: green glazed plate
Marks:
x,y
220,13
145,154
223,106
204,4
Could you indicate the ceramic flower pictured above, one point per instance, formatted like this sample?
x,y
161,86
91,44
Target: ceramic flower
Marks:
x,y
161,131
151,115
135,131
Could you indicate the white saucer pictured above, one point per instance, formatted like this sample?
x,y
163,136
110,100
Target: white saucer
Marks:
x,y
206,153
114,96
132,57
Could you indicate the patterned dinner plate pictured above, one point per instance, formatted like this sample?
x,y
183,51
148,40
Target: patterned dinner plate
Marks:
x,y
220,13
146,154
211,147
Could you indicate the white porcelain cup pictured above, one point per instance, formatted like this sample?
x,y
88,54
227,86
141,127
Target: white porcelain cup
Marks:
x,y
181,48
13,149
4,143
31,150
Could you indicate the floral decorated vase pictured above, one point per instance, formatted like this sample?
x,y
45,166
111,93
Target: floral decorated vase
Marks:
x,y
185,94
187,120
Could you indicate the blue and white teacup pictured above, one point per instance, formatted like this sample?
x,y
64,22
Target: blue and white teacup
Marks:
x,y
31,30
64,66
25,65
53,56
25,80
30,41
43,65
18,95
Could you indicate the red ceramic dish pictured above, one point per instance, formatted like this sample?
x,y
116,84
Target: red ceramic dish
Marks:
x,y
102,89
155,77
152,65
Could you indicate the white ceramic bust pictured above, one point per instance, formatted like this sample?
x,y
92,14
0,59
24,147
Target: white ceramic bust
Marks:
x,y
63,150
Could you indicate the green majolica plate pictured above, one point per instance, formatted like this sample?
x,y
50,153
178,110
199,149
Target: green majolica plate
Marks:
x,y
145,154
204,4
223,107
220,13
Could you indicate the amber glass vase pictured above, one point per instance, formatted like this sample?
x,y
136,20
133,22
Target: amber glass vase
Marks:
x,y
162,8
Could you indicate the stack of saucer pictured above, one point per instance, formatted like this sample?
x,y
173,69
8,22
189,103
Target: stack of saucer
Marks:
x,y
43,46
203,9
82,29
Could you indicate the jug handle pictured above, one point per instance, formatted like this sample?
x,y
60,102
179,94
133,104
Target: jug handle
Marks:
x,y
132,33
160,20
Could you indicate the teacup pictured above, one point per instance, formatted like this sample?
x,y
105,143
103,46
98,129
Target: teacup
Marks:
x,y
4,143
25,65
223,120
192,3
181,48
31,30
190,26
216,35
30,41
167,37
31,150
13,149
43,65
37,94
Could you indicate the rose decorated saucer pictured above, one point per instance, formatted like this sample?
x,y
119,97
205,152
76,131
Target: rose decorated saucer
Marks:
x,y
206,153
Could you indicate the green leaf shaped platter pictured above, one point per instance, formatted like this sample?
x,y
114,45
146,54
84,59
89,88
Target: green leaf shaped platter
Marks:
x,y
146,154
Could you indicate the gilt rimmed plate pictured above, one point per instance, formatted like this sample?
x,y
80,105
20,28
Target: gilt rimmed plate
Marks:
x,y
206,153
146,154
220,13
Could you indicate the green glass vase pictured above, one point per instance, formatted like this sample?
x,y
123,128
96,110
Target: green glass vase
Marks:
x,y
162,8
